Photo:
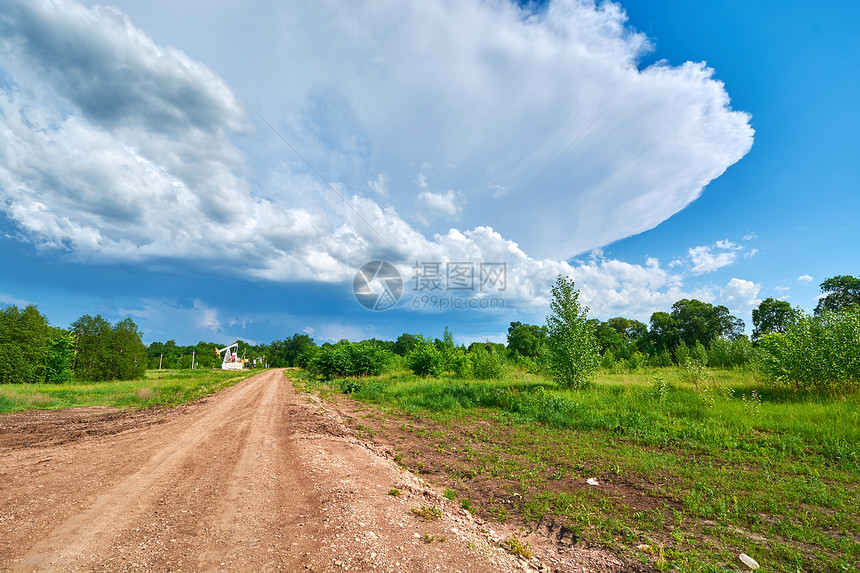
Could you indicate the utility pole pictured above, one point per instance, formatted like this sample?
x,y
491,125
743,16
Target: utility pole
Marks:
x,y
160,357
193,352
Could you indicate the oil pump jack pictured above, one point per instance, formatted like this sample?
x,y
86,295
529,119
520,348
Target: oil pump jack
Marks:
x,y
231,361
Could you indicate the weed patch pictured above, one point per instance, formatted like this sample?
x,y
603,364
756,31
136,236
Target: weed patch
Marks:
x,y
696,471
144,394
519,548
427,512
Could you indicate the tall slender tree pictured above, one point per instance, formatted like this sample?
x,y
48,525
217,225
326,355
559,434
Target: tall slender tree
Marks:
x,y
573,351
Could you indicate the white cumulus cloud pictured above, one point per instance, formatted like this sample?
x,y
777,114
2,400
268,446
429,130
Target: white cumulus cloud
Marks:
x,y
379,185
432,205
705,259
115,147
8,300
740,294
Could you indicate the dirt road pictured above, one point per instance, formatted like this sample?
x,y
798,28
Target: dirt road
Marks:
x,y
256,478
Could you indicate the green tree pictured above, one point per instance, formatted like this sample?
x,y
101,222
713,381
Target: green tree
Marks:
x,y
61,356
682,354
820,353
771,315
104,352
454,359
165,354
127,357
425,359
726,353
24,345
610,340
486,363
573,350
92,343
633,331
703,322
205,355
664,334
526,339
841,292
405,343
288,352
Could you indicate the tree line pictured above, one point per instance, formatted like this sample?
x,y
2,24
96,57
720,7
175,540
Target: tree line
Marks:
x,y
819,352
569,347
92,349
169,356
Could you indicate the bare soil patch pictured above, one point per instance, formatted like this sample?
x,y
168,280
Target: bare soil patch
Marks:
x,y
41,428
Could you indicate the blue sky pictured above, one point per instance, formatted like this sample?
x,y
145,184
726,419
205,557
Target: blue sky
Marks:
x,y
220,171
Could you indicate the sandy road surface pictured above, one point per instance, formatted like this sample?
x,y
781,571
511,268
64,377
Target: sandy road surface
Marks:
x,y
256,478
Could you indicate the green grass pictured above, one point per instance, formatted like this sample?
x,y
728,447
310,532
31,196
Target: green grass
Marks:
x,y
158,388
697,473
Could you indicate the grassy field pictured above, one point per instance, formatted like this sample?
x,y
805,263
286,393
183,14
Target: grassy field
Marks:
x,y
692,469
159,387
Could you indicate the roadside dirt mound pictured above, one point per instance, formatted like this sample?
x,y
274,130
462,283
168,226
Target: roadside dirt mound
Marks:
x,y
256,478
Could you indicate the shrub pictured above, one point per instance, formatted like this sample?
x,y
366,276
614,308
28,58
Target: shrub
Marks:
x,y
533,364
636,361
608,360
427,512
519,548
306,358
699,353
486,364
662,359
457,362
368,358
660,388
331,361
820,354
694,372
350,359
735,353
682,354
425,359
